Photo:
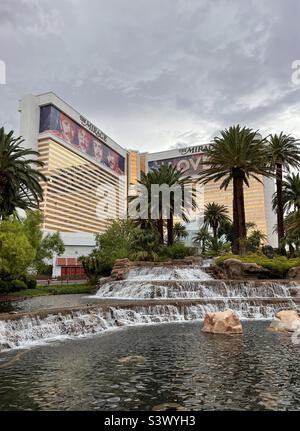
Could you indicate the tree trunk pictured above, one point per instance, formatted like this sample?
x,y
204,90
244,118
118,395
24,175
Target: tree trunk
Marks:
x,y
239,221
291,250
3,181
160,228
170,229
280,212
170,221
214,228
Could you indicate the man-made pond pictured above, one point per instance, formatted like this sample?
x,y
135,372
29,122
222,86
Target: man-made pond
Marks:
x,y
142,367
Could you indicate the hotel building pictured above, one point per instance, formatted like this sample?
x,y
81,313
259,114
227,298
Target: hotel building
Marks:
x,y
90,176
258,196
86,172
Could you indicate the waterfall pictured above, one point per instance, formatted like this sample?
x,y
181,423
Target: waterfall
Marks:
x,y
133,289
26,331
153,295
165,273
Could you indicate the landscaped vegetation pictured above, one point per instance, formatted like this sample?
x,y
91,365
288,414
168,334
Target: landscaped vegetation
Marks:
x,y
237,155
54,290
20,186
124,239
278,265
23,251
23,247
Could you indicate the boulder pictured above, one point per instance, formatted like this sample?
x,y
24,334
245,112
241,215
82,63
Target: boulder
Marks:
x,y
233,268
192,260
287,315
216,272
294,291
222,322
236,269
294,272
287,321
253,269
122,261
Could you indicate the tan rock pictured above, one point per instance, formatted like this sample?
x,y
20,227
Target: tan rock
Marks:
x,y
294,272
222,322
287,321
233,268
287,315
236,269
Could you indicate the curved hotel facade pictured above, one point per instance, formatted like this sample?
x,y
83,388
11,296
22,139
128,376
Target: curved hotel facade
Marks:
x,y
89,175
258,196
86,172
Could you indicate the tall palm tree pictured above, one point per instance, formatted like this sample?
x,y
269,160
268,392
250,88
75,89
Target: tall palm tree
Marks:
x,y
214,215
290,193
19,179
179,231
283,153
170,176
236,156
148,223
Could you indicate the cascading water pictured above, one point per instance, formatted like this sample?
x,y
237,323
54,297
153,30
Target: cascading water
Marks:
x,y
250,299
164,273
133,289
154,295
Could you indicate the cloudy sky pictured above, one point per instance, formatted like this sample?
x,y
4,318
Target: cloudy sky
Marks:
x,y
154,74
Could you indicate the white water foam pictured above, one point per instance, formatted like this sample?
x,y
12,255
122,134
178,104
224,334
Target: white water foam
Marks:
x,y
134,289
165,273
31,330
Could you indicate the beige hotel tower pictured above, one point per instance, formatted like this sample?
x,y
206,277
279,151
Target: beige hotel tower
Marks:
x,y
85,166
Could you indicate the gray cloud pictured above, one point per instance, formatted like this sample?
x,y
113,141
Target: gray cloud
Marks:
x,y
156,74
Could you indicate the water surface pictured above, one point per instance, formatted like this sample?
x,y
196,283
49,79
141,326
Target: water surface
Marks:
x,y
257,371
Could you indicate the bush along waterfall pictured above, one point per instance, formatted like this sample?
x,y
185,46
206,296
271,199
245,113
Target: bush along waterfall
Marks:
x,y
143,293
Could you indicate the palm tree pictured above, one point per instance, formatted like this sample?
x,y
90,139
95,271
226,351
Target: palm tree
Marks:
x,y
146,223
255,239
179,231
236,156
19,178
169,176
202,237
290,193
283,153
214,215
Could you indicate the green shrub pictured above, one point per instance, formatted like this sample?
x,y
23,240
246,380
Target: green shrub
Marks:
x,y
176,251
17,285
45,269
278,265
30,282
4,287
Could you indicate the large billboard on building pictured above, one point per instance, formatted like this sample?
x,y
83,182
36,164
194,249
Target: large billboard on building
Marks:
x,y
188,165
61,125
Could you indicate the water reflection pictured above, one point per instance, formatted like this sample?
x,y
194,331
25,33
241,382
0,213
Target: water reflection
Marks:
x,y
257,371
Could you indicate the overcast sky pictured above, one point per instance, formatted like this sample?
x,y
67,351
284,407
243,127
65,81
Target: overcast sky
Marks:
x,y
154,74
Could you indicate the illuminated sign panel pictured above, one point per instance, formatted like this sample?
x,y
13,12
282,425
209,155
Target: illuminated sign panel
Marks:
x,y
189,165
61,125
